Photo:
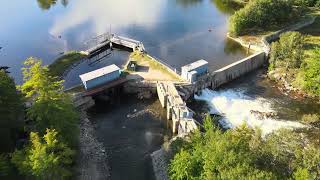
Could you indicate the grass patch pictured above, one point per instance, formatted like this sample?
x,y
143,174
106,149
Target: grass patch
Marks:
x,y
60,65
143,59
312,33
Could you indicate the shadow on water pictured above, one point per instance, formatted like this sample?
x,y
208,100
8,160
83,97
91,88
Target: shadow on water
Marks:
x,y
130,129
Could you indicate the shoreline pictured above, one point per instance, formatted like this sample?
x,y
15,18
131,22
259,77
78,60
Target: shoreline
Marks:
x,y
263,43
92,159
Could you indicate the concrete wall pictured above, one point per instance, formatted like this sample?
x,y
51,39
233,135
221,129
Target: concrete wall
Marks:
x,y
228,73
237,69
267,40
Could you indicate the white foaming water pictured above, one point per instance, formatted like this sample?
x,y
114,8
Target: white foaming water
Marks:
x,y
237,108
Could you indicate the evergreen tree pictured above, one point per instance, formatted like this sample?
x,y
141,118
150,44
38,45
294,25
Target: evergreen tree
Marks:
x,y
51,107
44,158
10,112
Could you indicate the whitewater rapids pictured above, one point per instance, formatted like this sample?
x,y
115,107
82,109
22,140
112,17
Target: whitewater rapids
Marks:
x,y
237,108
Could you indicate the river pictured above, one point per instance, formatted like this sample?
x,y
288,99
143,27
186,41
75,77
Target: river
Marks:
x,y
176,31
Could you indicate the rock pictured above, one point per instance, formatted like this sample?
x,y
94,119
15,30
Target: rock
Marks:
x,y
92,162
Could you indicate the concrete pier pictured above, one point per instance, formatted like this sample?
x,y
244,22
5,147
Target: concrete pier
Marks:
x,y
177,110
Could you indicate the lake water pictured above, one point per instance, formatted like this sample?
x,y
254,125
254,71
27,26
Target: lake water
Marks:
x,y
176,31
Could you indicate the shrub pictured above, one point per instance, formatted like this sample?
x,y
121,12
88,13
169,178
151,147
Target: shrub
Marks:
x,y
288,51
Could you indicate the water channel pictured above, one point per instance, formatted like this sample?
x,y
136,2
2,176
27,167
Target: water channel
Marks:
x,y
176,31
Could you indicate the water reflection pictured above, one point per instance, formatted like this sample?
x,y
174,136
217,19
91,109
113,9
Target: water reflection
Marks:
x,y
227,7
47,4
188,3
230,47
101,15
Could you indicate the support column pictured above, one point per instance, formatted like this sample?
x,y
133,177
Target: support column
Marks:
x,y
169,112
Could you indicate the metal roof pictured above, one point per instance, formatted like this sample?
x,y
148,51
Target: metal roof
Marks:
x,y
99,72
195,65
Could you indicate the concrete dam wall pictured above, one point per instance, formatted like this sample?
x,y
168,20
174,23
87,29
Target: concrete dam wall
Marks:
x,y
224,75
237,69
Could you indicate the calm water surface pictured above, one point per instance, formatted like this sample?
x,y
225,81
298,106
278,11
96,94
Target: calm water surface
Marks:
x,y
176,31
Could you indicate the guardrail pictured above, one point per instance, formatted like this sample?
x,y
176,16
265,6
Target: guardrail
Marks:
x,y
166,64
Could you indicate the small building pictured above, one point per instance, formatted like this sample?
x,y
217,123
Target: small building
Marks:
x,y
192,71
100,76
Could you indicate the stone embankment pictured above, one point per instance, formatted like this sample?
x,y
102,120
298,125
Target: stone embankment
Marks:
x,y
92,159
160,164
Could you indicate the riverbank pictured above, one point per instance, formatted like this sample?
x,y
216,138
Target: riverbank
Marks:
x,y
93,158
262,42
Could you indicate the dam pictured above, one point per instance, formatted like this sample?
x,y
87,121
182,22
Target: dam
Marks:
x,y
172,94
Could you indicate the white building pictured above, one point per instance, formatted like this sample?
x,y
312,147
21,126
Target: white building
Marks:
x,y
192,71
100,76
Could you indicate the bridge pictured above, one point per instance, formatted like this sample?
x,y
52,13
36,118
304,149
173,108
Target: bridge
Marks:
x,y
108,41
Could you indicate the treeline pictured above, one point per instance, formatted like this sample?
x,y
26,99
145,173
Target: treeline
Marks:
x,y
242,153
265,14
51,123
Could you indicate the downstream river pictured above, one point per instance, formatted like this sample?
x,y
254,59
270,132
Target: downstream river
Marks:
x,y
176,31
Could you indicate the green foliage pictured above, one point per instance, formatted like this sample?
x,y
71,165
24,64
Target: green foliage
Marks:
x,y
51,107
261,14
311,118
309,3
44,158
242,153
217,155
4,166
288,51
38,83
311,73
10,112
301,174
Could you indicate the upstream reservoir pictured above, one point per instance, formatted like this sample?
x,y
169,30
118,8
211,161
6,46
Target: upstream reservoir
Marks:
x,y
176,31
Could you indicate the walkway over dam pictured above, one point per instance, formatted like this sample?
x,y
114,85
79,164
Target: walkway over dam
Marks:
x,y
108,41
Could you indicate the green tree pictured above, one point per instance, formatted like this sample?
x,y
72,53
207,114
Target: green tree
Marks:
x,y
44,158
218,155
261,14
51,107
288,51
11,109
